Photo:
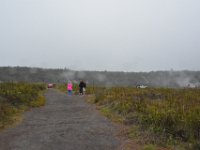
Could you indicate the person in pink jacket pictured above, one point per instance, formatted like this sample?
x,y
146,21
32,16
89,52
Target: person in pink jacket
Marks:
x,y
69,88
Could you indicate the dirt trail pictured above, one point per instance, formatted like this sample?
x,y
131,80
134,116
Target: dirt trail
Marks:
x,y
64,123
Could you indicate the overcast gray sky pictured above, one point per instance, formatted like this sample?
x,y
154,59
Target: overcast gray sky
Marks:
x,y
120,35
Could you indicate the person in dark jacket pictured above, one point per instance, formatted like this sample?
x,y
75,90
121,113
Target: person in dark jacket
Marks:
x,y
82,87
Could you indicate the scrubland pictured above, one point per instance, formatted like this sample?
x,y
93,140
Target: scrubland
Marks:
x,y
16,98
153,117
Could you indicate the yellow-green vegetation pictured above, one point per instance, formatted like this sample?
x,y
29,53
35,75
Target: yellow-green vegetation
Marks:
x,y
40,101
149,147
17,97
168,116
113,116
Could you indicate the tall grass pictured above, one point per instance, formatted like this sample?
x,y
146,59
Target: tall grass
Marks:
x,y
16,97
173,113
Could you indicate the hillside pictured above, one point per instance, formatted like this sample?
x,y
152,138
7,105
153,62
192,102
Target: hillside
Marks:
x,y
154,78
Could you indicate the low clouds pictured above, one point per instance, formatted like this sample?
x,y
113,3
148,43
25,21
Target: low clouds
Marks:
x,y
118,35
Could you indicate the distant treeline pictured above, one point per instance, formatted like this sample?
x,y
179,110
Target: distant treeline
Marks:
x,y
106,78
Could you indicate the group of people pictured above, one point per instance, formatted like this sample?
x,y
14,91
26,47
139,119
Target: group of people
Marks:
x,y
82,87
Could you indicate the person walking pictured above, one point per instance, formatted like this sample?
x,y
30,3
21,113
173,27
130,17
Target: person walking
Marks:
x,y
82,87
69,88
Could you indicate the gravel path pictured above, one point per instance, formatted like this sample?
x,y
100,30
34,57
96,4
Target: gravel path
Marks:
x,y
64,123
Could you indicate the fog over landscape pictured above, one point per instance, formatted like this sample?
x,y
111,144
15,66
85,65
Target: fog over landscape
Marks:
x,y
115,35
100,74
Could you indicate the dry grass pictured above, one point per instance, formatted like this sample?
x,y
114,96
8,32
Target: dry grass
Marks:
x,y
162,116
16,98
